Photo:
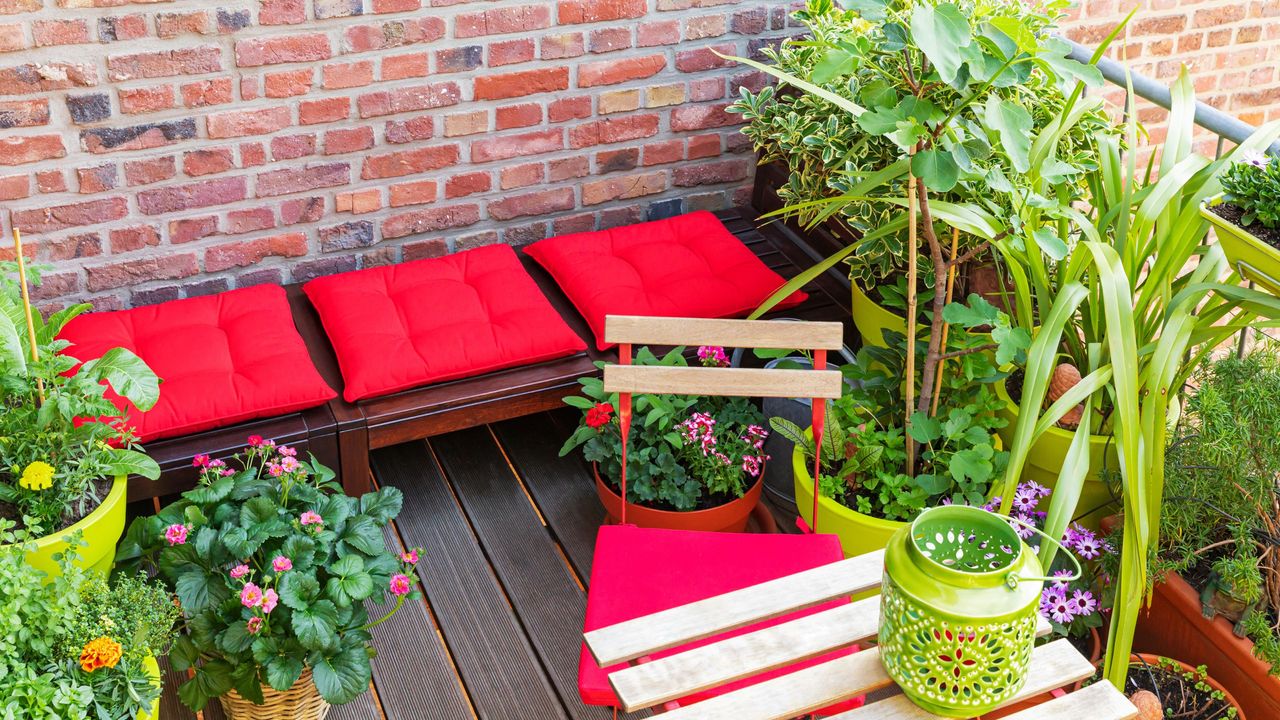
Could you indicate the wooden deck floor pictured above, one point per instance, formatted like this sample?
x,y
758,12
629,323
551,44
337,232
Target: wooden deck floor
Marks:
x,y
508,529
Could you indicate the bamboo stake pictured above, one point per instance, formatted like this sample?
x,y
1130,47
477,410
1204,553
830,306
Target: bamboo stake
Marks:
x,y
951,288
914,242
26,307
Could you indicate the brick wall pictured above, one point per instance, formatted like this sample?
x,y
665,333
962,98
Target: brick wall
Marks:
x,y
153,150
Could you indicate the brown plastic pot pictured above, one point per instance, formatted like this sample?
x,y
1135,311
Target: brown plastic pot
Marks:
x,y
1154,660
730,517
1174,626
1095,653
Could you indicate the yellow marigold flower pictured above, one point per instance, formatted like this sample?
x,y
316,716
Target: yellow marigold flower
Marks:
x,y
37,476
99,653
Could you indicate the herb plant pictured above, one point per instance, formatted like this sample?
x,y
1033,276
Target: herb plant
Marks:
x,y
1253,185
273,565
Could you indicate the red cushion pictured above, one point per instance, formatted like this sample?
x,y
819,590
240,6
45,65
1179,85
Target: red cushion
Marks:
x,y
401,326
222,359
685,266
639,571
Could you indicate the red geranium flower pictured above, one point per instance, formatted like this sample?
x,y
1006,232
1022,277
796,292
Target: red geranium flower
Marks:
x,y
598,416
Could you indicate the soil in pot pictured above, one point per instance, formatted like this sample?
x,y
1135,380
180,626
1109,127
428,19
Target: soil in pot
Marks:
x,y
101,487
1233,213
1183,693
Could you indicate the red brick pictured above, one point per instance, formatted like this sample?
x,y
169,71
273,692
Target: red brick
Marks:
x,y
135,271
50,181
510,52
206,92
751,21
292,146
663,32
704,27
701,117
613,130
239,123
301,210
590,11
347,140
347,75
611,72
192,195
404,131
419,192
425,249
137,137
393,33
9,7
395,6
149,171
466,184
468,123
568,168
543,202
59,32
12,37
282,12
23,79
706,88
564,45
250,252
610,39
244,221
522,18
701,59
716,173
571,224
409,99
409,162
618,160
524,82
399,67
175,24
569,109
704,146
121,28
188,229
287,84
165,63
61,217
145,100
24,113
517,116
15,187
30,148
502,148
518,176
71,248
278,49
662,152
293,180
623,188
359,201
98,178
430,220
311,112
133,238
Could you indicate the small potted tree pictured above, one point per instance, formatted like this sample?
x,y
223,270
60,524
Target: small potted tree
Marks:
x,y
1246,217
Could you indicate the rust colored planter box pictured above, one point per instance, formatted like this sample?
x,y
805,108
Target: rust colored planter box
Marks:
x,y
1174,626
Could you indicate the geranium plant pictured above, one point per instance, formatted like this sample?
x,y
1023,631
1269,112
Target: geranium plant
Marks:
x,y
684,452
273,565
76,646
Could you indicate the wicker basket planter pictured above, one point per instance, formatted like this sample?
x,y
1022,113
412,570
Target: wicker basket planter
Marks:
x,y
300,702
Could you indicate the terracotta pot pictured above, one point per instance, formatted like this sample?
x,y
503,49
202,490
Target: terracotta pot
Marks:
x,y
730,517
1174,626
1095,653
1144,658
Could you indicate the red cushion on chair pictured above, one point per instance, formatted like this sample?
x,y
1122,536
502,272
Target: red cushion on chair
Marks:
x,y
401,326
222,359
685,266
639,571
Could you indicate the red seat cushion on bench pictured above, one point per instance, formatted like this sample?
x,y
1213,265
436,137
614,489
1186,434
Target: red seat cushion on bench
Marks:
x,y
222,359
640,571
685,266
401,326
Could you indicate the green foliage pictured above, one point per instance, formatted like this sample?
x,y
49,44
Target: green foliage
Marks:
x,y
45,624
273,566
1253,185
666,464
75,429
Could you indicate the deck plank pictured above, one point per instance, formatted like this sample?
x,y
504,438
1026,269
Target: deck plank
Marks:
x,y
538,583
493,656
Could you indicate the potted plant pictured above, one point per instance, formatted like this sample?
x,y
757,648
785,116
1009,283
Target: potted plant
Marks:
x,y
273,566
1162,687
64,454
1246,217
1219,594
76,646
693,463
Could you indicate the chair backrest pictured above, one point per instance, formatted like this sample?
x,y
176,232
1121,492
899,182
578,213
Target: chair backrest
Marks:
x,y
818,384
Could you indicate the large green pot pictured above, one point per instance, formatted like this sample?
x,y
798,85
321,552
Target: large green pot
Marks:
x,y
1254,259
153,671
1049,453
102,530
872,319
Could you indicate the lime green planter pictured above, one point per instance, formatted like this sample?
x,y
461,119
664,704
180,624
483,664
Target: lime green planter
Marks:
x,y
1254,259
859,534
153,671
102,529
872,320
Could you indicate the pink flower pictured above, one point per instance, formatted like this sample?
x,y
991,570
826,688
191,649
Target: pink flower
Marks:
x,y
200,461
176,534
228,472
217,463
288,451
254,625
269,601
239,571
255,440
410,557
712,356
251,595
400,584
289,464
281,564
275,470
311,517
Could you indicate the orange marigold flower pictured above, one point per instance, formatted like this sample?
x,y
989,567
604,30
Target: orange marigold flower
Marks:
x,y
99,653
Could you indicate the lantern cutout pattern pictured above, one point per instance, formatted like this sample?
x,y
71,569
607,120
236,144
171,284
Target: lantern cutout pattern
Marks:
x,y
958,609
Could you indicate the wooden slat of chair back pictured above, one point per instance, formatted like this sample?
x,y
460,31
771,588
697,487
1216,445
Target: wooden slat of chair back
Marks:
x,y
635,330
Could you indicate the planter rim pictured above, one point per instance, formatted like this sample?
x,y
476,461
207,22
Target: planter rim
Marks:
x,y
682,513
114,496
1012,408
1153,659
1175,583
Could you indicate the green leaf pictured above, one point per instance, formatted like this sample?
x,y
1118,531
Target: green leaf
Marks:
x,y
364,535
128,375
1048,241
924,428
342,677
298,590
212,679
1013,123
197,592
12,355
383,506
131,462
933,484
835,63
283,671
257,510
317,625
1018,31
975,313
936,169
347,565
972,464
235,639
941,32
579,402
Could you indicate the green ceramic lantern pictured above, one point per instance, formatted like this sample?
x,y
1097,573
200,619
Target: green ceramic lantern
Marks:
x,y
958,610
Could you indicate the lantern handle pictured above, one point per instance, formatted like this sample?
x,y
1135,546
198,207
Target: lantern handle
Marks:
x,y
1013,579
